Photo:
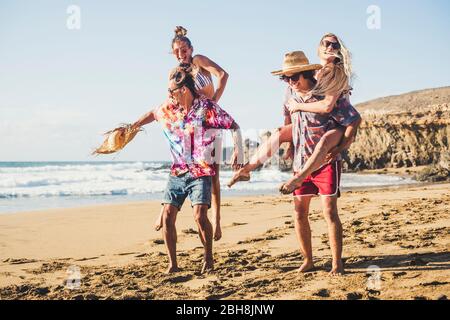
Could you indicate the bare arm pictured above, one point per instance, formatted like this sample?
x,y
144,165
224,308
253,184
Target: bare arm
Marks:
x,y
287,120
290,149
216,70
323,106
149,117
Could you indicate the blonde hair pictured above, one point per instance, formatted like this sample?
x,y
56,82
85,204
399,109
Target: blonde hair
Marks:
x,y
335,78
332,80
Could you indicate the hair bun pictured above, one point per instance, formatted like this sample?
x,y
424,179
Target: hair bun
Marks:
x,y
180,31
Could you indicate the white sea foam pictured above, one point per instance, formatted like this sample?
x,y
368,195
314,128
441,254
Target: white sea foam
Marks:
x,y
135,178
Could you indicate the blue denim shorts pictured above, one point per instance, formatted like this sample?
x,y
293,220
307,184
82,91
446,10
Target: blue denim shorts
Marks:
x,y
178,188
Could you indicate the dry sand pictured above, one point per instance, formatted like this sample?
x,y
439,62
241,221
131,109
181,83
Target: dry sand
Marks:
x,y
403,231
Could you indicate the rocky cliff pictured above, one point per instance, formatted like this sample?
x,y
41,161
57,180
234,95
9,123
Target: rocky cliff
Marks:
x,y
402,131
407,130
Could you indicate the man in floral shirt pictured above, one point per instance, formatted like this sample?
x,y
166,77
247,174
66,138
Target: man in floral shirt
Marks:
x,y
190,123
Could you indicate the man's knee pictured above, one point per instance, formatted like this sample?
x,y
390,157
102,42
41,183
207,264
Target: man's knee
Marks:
x,y
301,211
169,215
331,216
201,214
330,210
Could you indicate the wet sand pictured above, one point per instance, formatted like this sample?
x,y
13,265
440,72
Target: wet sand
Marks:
x,y
403,233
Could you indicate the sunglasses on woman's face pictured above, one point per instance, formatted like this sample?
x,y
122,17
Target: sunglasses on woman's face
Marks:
x,y
334,45
171,91
293,78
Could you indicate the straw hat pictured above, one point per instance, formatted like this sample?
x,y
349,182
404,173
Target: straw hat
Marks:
x,y
295,62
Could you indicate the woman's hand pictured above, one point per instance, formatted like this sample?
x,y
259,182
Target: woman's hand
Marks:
x,y
237,159
293,106
335,151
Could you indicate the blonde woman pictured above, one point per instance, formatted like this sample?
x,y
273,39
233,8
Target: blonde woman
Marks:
x,y
332,83
203,69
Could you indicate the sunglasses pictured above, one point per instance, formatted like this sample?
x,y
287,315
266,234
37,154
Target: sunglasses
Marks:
x,y
334,45
293,78
171,91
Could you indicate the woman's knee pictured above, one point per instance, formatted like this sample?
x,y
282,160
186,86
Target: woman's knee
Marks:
x,y
330,139
284,134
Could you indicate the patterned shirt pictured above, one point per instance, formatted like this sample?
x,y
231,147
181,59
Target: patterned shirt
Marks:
x,y
308,127
191,136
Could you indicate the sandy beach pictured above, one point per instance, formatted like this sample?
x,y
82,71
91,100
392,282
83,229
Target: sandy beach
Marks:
x,y
402,231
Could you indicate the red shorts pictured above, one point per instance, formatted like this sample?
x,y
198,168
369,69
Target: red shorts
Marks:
x,y
324,181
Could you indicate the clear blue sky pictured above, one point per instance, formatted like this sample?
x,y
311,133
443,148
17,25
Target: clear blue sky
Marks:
x,y
60,88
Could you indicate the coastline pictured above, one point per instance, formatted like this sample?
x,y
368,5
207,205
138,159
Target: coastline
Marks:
x,y
404,230
40,196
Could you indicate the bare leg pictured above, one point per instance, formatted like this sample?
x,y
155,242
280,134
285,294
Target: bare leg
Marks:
x,y
215,203
205,234
170,236
303,231
317,159
330,212
264,152
159,220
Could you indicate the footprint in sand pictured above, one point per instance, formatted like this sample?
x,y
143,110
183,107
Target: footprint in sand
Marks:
x,y
86,259
180,279
324,293
190,231
19,261
125,253
236,224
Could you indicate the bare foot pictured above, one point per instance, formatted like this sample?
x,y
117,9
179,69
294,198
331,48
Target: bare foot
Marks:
x,y
217,233
159,222
289,186
208,267
240,175
337,270
172,270
307,265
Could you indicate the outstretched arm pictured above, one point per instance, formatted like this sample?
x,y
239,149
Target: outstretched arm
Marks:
x,y
149,117
217,71
323,106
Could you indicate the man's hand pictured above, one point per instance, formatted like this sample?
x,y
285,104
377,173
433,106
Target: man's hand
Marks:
x,y
289,152
334,152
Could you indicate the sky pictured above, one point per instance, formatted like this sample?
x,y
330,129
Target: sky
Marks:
x,y
62,87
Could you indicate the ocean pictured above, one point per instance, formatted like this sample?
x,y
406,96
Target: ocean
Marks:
x,y
26,186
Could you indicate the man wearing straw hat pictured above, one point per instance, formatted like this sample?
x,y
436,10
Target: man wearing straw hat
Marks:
x,y
307,131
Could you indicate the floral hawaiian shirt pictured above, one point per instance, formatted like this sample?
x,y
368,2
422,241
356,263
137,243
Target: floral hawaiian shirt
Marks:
x,y
191,135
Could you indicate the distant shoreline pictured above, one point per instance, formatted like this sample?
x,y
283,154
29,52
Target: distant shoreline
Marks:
x,y
227,195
